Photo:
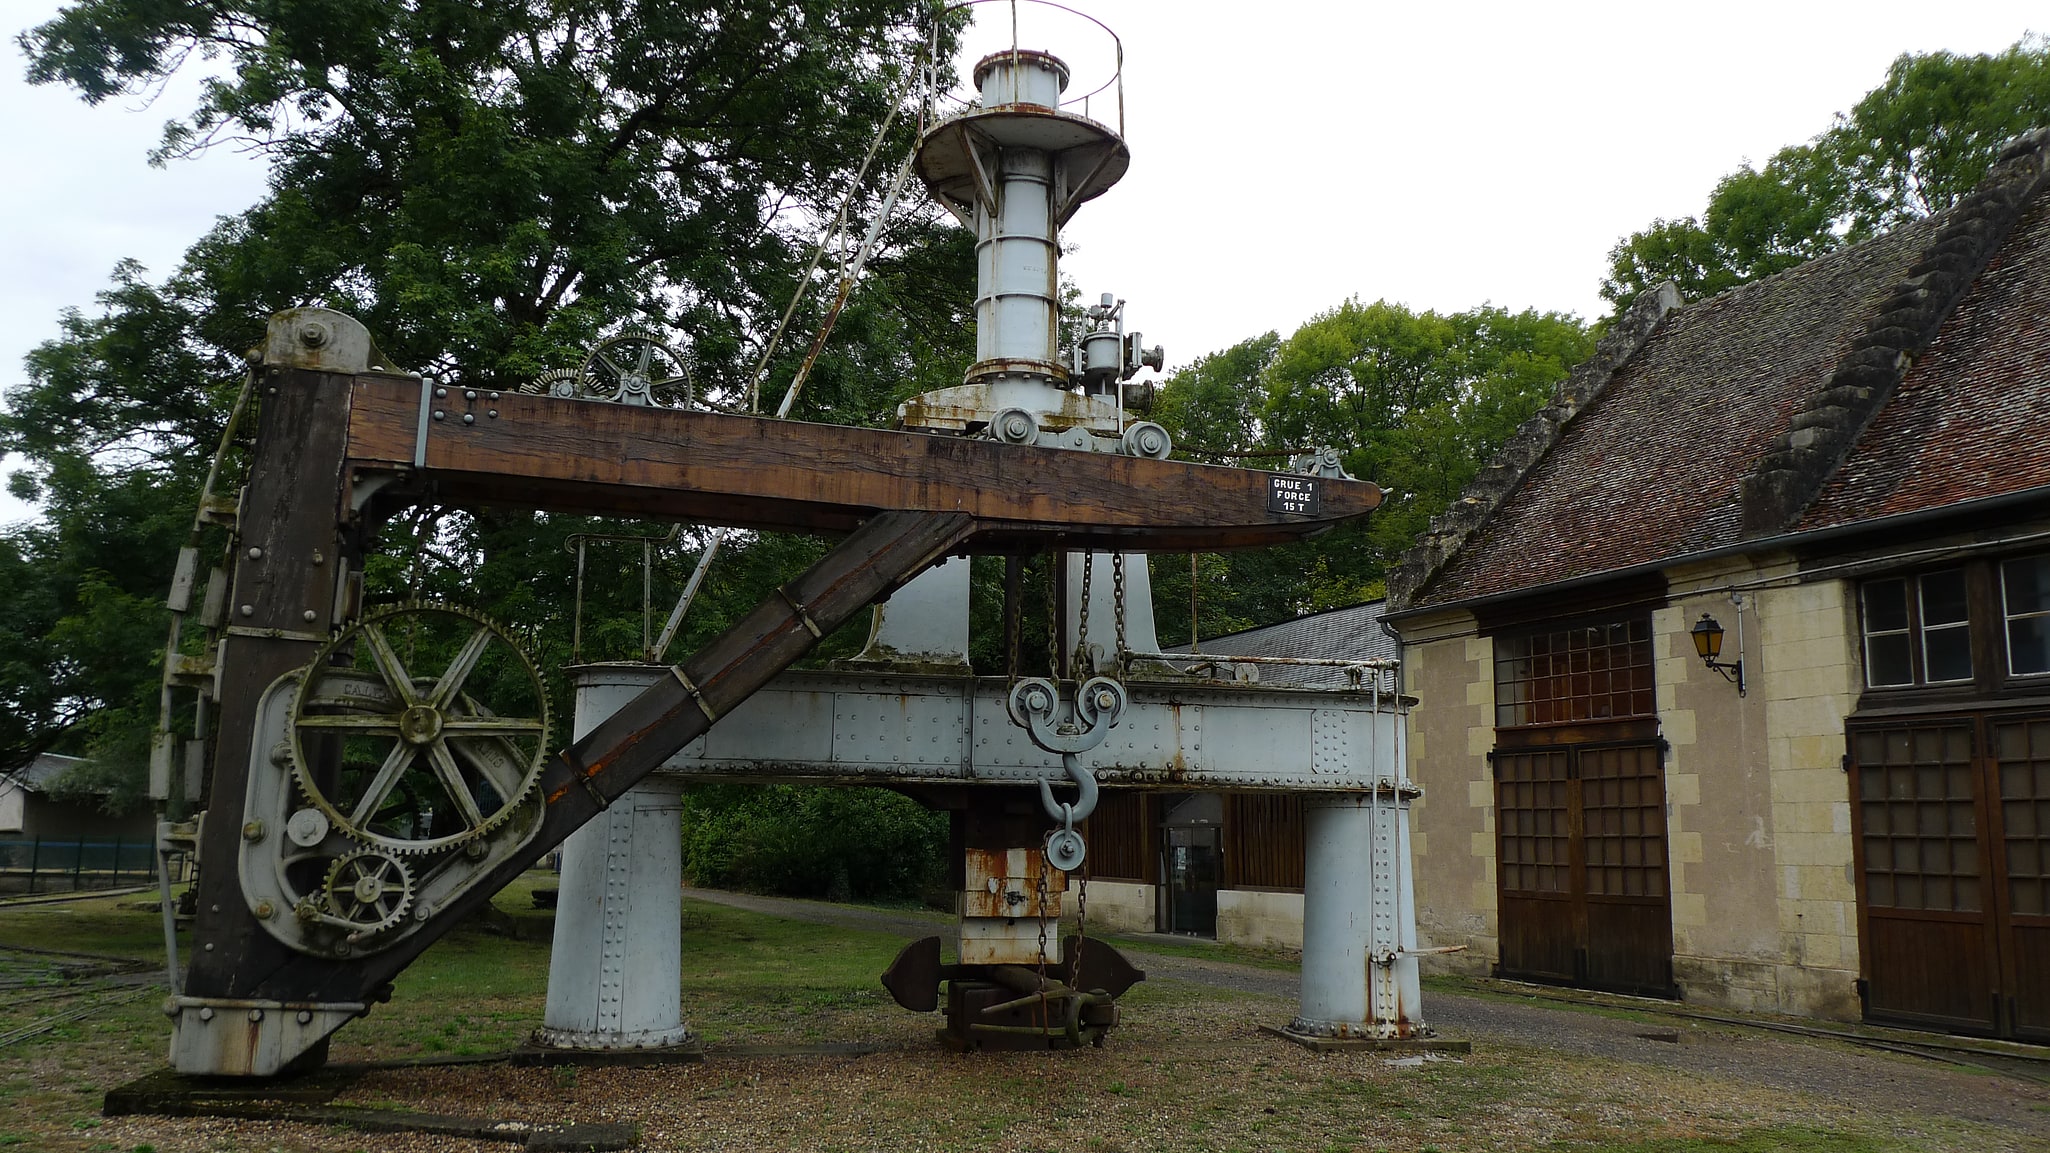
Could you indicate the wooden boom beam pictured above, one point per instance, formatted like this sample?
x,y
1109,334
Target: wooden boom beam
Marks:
x,y
754,472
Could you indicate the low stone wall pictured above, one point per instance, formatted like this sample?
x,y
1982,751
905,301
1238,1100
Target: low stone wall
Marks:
x,y
1119,906
1261,920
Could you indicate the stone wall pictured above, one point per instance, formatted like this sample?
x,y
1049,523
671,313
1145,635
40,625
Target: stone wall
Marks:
x,y
1261,919
1452,728
1119,906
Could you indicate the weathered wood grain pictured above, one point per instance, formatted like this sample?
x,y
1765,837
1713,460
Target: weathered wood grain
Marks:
x,y
754,472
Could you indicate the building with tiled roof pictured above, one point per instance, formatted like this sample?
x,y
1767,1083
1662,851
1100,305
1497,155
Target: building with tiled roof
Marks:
x,y
1841,473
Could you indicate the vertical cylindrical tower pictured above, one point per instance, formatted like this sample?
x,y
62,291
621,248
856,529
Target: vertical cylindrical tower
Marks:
x,y
614,976
1014,168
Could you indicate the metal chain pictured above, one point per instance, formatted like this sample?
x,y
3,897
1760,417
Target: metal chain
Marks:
x,y
1082,669
1117,588
1045,1021
1053,618
1081,927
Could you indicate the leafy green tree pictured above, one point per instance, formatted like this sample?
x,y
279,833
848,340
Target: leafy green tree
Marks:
x,y
490,188
1908,148
1416,401
841,844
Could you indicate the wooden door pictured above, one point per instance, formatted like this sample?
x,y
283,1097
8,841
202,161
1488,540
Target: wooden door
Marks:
x,y
2021,772
1952,850
1583,890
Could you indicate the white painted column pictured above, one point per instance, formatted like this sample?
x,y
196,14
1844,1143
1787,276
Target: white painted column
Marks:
x,y
615,969
1360,974
924,626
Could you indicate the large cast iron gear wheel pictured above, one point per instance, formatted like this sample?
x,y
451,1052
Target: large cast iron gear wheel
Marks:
x,y
638,367
419,728
369,889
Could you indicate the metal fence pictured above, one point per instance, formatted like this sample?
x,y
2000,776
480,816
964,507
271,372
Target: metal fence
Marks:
x,y
43,865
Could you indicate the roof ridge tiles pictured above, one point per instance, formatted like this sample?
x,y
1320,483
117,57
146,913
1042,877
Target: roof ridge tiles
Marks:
x,y
1789,476
1450,530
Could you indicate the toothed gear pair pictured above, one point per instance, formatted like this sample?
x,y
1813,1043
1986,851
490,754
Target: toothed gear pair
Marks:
x,y
635,367
412,708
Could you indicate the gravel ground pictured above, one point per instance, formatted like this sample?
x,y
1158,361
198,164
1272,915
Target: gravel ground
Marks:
x,y
1189,1070
1832,1070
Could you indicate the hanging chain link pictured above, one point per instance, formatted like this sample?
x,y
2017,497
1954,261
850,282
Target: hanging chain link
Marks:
x,y
1083,671
1117,589
1053,618
1045,1021
1081,927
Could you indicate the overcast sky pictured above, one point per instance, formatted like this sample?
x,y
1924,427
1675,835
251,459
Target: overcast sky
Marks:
x,y
1286,154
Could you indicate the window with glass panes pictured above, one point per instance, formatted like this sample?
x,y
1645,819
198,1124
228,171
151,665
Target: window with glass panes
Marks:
x,y
1587,673
1983,621
2025,605
1918,629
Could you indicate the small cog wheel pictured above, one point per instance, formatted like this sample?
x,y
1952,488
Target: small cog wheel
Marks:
x,y
418,728
556,382
369,889
637,367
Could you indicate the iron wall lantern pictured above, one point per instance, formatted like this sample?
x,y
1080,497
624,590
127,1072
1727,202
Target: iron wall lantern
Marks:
x,y
1708,644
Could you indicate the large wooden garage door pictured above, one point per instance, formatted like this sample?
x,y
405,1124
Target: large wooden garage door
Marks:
x,y
1584,893
1952,826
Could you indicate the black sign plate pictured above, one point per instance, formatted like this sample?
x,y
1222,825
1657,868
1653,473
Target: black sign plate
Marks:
x,y
1294,494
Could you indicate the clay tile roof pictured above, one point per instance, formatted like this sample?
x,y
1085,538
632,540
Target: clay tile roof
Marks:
x,y
1654,467
1971,418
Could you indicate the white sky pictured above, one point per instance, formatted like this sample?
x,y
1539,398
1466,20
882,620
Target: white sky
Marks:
x,y
1286,154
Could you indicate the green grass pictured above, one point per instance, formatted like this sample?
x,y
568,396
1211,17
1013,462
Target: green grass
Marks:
x,y
1187,1063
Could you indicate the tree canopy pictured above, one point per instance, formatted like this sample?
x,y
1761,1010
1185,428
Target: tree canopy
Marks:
x,y
1417,402
490,188
1908,148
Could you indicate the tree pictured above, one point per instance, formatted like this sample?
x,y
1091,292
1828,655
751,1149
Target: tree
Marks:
x,y
490,188
1416,401
1909,148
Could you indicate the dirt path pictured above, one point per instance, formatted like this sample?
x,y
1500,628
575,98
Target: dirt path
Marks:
x,y
1835,1070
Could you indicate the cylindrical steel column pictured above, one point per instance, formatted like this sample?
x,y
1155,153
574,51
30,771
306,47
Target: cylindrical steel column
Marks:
x,y
615,970
1337,905
1360,976
1017,260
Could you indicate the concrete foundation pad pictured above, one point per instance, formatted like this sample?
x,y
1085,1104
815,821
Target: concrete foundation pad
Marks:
x,y
1403,1046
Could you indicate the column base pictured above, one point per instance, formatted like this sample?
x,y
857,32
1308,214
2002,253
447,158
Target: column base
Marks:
x,y
540,1050
582,1040
1321,1043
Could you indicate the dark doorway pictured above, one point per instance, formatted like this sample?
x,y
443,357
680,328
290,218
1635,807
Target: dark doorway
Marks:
x,y
1951,826
1192,863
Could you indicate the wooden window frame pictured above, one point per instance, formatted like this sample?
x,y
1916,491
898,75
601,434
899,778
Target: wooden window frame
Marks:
x,y
1574,709
2008,616
1987,625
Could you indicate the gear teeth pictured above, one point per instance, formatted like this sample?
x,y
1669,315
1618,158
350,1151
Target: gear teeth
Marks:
x,y
546,383
390,873
322,668
682,381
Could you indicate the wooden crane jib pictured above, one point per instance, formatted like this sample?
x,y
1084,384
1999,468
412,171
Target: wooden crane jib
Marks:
x,y
343,439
